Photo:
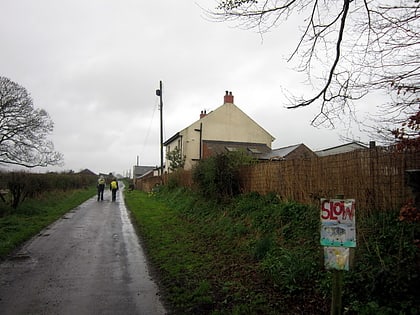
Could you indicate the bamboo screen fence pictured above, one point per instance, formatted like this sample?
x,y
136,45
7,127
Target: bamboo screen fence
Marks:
x,y
376,178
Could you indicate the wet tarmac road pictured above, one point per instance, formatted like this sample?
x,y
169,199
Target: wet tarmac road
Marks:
x,y
88,262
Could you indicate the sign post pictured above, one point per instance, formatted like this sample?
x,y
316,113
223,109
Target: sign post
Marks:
x,y
338,235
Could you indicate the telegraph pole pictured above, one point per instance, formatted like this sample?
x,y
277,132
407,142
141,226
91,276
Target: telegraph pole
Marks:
x,y
159,93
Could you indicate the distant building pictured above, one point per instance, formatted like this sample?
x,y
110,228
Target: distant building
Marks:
x,y
87,172
140,171
140,176
292,152
348,147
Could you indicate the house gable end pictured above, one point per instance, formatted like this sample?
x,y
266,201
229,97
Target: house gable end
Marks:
x,y
227,123
228,120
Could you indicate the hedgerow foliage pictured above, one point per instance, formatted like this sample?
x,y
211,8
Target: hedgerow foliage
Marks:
x,y
18,186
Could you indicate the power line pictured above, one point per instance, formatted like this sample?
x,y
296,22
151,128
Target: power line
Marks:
x,y
146,138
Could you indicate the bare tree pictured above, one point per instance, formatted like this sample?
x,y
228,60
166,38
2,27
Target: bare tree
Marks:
x,y
348,48
23,129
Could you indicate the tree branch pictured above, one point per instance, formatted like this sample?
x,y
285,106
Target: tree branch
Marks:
x,y
324,90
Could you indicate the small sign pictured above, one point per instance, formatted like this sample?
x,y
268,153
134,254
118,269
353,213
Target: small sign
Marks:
x,y
336,258
338,222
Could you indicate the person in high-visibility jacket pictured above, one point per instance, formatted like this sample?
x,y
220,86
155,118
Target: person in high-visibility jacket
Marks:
x,y
101,187
113,186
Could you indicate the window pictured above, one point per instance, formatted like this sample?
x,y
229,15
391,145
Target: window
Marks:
x,y
254,150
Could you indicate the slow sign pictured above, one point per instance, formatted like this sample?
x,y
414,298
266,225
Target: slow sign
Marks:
x,y
338,222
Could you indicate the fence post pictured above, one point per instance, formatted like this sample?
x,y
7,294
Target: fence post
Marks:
x,y
337,292
337,286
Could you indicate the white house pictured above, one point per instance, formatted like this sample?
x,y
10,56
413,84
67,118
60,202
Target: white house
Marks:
x,y
227,128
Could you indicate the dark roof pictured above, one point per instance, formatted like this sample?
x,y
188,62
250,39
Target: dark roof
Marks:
x,y
175,136
282,153
254,149
87,172
141,170
145,174
343,148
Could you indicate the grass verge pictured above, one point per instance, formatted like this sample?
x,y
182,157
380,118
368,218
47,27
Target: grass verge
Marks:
x,y
257,255
208,257
33,215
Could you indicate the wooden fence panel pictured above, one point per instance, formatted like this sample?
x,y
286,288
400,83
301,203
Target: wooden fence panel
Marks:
x,y
147,184
374,177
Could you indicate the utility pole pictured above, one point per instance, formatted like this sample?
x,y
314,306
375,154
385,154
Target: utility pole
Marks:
x,y
201,140
159,93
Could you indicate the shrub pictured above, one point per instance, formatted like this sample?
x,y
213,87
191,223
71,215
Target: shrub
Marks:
x,y
176,159
217,177
386,266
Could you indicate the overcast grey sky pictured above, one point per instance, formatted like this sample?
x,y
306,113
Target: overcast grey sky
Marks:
x,y
94,66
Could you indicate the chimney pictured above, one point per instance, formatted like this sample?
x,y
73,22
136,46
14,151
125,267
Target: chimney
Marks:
x,y
203,114
228,97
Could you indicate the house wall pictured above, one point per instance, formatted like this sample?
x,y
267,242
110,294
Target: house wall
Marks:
x,y
227,123
176,143
191,145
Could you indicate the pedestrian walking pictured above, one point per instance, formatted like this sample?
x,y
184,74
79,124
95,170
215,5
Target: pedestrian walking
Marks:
x,y
101,187
113,186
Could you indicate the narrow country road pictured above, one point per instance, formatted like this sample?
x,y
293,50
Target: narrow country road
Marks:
x,y
88,262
